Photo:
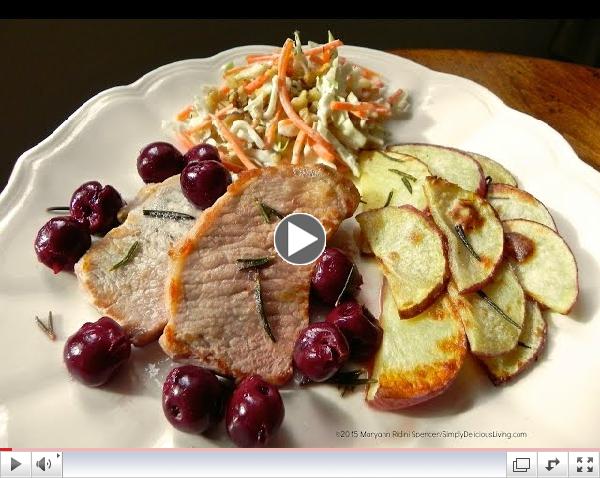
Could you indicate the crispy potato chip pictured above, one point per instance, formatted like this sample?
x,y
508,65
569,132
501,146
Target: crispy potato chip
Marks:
x,y
412,252
419,357
513,203
447,163
399,174
493,317
460,213
494,170
531,343
549,273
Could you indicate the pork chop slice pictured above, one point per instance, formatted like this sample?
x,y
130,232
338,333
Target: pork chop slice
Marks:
x,y
211,303
133,294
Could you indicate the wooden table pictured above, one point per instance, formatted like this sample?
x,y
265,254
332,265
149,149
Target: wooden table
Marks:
x,y
564,95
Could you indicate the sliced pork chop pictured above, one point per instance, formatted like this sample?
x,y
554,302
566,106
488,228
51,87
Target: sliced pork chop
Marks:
x,y
133,294
213,313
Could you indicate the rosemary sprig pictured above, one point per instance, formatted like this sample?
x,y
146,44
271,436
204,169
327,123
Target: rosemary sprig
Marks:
x,y
347,381
268,212
47,329
523,344
128,257
389,199
177,216
260,307
495,306
391,158
58,209
253,263
403,174
460,232
346,284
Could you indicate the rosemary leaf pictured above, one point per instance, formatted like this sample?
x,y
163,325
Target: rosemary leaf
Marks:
x,y
523,344
260,307
252,263
47,329
362,201
403,174
389,199
268,212
177,216
460,232
495,306
58,209
128,257
495,197
391,158
347,381
346,284
406,183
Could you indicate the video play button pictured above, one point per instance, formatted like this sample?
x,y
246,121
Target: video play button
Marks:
x,y
299,239
14,464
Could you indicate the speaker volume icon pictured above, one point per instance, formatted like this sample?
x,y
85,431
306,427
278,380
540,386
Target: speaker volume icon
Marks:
x,y
43,463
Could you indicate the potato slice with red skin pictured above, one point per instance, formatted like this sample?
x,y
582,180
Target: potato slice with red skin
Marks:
x,y
382,173
549,273
494,170
488,331
450,206
531,343
514,203
412,253
448,163
419,358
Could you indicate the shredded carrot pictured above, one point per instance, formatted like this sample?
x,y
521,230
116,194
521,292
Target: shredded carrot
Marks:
x,y
233,142
298,150
323,152
286,104
318,60
363,107
271,132
224,90
234,168
185,140
257,82
184,113
323,48
199,127
262,58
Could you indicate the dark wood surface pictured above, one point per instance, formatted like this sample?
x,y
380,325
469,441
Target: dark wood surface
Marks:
x,y
564,95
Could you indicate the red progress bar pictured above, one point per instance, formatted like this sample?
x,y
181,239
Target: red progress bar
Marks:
x,y
6,449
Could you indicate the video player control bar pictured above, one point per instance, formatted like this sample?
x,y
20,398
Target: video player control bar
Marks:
x,y
298,463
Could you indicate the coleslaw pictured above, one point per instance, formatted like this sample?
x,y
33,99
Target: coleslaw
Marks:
x,y
299,105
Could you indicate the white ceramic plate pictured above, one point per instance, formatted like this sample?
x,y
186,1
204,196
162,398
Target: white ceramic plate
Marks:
x,y
556,404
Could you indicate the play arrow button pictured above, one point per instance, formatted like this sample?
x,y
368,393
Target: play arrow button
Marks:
x,y
14,464
299,238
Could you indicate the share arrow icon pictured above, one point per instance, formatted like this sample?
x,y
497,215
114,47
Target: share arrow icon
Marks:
x,y
552,464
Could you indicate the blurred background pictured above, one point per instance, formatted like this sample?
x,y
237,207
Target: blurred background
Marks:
x,y
50,67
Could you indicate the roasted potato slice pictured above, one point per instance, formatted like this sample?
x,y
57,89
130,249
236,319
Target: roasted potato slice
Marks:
x,y
384,173
494,170
548,273
531,343
513,203
447,163
493,317
460,213
419,357
412,252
